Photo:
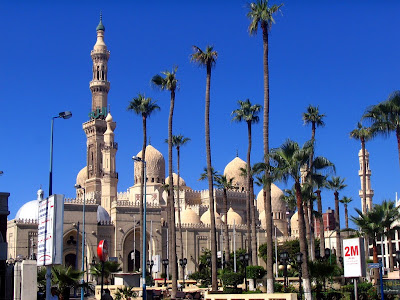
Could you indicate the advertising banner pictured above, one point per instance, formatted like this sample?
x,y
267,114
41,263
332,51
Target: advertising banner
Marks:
x,y
353,257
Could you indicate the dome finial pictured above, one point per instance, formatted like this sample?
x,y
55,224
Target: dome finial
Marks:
x,y
237,153
149,140
101,26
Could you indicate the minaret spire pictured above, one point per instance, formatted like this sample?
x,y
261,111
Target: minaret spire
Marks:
x,y
370,192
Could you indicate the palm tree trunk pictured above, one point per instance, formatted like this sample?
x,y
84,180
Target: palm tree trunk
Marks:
x,y
321,225
337,229
398,140
391,261
253,227
179,209
171,201
364,191
307,225
226,233
303,244
142,199
375,260
310,202
267,199
214,282
253,243
346,216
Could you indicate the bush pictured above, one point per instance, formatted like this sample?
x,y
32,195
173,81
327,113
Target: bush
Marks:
x,y
280,288
255,272
232,290
231,279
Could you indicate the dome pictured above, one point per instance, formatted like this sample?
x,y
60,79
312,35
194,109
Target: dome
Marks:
x,y
232,170
28,211
294,224
189,216
277,204
175,177
102,214
155,166
206,218
233,217
81,177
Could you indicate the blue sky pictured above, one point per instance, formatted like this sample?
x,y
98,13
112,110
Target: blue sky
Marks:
x,y
340,55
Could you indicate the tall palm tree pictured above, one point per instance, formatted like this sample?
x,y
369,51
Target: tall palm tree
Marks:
x,y
385,117
168,82
287,162
144,107
177,142
249,113
337,184
208,60
391,215
260,14
345,201
313,117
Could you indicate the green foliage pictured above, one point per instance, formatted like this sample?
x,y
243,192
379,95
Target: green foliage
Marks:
x,y
365,290
125,293
279,288
255,272
320,271
65,278
232,290
231,278
41,279
109,268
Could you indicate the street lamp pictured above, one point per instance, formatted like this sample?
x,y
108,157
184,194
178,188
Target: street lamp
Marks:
x,y
78,187
150,264
62,115
183,263
284,257
299,260
165,264
244,258
398,256
139,159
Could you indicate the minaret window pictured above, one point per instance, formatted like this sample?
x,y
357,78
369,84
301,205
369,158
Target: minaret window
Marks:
x,y
98,72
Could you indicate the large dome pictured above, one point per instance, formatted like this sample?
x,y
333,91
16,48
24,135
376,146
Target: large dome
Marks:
x,y
233,217
189,216
81,177
277,204
182,182
294,224
102,215
28,211
206,218
155,166
232,170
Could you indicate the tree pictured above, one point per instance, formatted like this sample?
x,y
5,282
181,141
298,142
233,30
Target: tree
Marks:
x,y
208,60
385,117
336,184
177,142
249,113
168,82
313,117
287,162
65,278
319,181
260,14
144,107
109,268
345,201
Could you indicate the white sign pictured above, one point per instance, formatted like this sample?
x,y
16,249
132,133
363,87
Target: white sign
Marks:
x,y
353,257
157,263
50,230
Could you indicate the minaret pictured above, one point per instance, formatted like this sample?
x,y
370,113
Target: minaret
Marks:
x,y
96,126
110,176
370,192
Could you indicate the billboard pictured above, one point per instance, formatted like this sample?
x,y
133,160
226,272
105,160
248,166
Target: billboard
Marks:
x,y
353,257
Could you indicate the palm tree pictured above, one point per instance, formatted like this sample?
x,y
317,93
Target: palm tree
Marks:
x,y
65,278
208,60
336,184
345,201
168,82
249,113
313,117
177,142
143,106
391,215
261,14
287,162
385,117
363,134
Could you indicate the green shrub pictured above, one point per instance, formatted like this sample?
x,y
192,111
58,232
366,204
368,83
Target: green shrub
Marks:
x,y
231,278
255,272
232,290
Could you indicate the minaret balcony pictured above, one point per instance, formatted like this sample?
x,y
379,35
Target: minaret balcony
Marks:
x,y
99,83
100,51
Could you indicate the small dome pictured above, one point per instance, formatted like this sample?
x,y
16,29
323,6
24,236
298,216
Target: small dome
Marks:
x,y
206,218
155,166
81,177
175,177
28,211
233,217
101,26
102,215
109,118
189,216
277,204
232,170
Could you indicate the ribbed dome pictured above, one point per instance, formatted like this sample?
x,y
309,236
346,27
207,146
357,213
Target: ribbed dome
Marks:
x,y
175,177
155,166
102,215
277,204
188,216
81,177
232,170
28,211
206,218
233,217
294,224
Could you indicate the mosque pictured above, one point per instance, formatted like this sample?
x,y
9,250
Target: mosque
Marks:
x,y
115,216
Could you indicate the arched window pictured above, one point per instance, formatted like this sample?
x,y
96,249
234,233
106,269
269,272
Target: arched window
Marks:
x,y
70,260
98,72
133,260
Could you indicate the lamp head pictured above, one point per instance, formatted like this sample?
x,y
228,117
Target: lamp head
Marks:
x,y
65,114
77,186
327,252
299,258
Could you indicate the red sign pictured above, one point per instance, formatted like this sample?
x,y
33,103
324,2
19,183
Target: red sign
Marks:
x,y
102,250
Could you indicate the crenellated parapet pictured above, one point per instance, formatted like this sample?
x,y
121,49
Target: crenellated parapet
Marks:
x,y
127,203
105,223
79,201
26,221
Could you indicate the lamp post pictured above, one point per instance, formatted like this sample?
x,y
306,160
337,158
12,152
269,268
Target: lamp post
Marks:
x,y
398,257
183,263
244,258
299,259
62,115
78,186
150,264
165,264
284,256
139,159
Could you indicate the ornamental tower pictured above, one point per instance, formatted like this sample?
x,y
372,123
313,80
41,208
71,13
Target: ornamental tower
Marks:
x,y
97,125
370,192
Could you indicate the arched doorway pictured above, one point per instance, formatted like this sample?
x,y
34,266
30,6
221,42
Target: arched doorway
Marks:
x,y
70,260
133,261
